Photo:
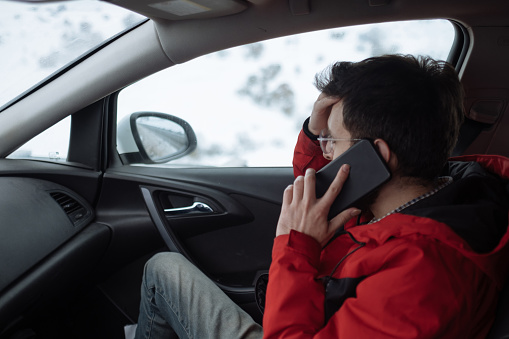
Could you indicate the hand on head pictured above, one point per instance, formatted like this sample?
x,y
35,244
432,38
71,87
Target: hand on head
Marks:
x,y
321,112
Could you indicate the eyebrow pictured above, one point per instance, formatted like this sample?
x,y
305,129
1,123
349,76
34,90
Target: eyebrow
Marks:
x,y
329,133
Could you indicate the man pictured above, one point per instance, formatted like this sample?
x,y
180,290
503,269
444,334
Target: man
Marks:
x,y
424,259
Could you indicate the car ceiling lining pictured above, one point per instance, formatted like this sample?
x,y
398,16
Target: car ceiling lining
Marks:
x,y
183,9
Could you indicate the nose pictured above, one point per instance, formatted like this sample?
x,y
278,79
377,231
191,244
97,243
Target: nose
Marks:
x,y
328,156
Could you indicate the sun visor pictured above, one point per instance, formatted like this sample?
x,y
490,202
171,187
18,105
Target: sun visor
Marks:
x,y
183,9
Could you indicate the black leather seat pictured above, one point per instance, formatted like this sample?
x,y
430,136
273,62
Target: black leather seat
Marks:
x,y
500,329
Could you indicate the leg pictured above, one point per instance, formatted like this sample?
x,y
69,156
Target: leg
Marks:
x,y
176,295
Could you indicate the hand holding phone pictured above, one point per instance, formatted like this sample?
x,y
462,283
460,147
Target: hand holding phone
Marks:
x,y
368,171
303,212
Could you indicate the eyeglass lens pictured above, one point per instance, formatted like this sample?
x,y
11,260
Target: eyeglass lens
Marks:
x,y
325,142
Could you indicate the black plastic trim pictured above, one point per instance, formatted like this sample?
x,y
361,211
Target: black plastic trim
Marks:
x,y
63,269
460,46
33,224
87,135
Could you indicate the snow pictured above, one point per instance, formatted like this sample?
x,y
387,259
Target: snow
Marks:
x,y
234,130
246,104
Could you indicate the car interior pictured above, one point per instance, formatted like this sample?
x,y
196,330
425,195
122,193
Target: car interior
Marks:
x,y
74,235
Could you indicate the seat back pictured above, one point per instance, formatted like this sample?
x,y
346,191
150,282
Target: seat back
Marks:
x,y
500,329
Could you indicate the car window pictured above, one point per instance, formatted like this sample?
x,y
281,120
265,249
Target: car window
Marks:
x,y
247,104
52,144
37,40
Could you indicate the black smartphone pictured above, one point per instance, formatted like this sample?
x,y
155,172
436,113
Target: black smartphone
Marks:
x,y
368,171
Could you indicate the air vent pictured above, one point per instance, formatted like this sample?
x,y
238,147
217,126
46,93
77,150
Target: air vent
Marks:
x,y
71,207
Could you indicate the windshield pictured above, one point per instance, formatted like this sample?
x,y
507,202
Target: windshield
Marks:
x,y
37,40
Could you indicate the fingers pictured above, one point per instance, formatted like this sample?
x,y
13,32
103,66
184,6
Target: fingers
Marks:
x,y
321,96
342,218
321,112
323,106
338,221
303,212
324,101
298,188
288,195
305,187
337,184
310,184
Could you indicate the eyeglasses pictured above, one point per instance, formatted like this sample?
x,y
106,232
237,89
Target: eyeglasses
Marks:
x,y
327,143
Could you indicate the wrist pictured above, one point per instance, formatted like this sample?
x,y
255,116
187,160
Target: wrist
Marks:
x,y
309,134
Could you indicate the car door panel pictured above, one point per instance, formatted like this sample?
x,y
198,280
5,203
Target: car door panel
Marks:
x,y
232,244
221,211
235,238
234,256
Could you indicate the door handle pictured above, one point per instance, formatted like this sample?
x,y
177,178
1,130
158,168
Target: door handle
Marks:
x,y
196,207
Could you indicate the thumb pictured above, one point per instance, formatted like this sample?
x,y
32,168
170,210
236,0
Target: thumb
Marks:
x,y
342,218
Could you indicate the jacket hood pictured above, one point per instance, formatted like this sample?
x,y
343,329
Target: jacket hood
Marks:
x,y
475,205
470,214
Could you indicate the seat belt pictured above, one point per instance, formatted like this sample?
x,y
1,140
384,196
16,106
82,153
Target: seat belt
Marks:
x,y
469,131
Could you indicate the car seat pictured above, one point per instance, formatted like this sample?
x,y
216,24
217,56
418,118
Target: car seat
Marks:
x,y
500,329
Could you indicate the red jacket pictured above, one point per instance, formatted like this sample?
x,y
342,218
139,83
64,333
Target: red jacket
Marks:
x,y
307,154
433,270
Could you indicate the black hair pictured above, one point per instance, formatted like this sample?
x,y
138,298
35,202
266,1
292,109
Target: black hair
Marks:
x,y
415,104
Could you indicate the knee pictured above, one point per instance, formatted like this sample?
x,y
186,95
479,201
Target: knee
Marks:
x,y
163,267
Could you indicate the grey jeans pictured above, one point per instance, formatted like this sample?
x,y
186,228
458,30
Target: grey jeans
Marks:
x,y
176,297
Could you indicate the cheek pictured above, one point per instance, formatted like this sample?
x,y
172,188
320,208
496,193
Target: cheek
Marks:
x,y
340,149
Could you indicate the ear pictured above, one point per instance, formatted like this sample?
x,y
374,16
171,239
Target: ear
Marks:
x,y
386,153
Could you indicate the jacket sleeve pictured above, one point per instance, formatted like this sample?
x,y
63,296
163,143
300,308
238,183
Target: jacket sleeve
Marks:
x,y
415,294
307,154
294,299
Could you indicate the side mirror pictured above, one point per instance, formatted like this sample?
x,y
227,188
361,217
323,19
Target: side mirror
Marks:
x,y
152,138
